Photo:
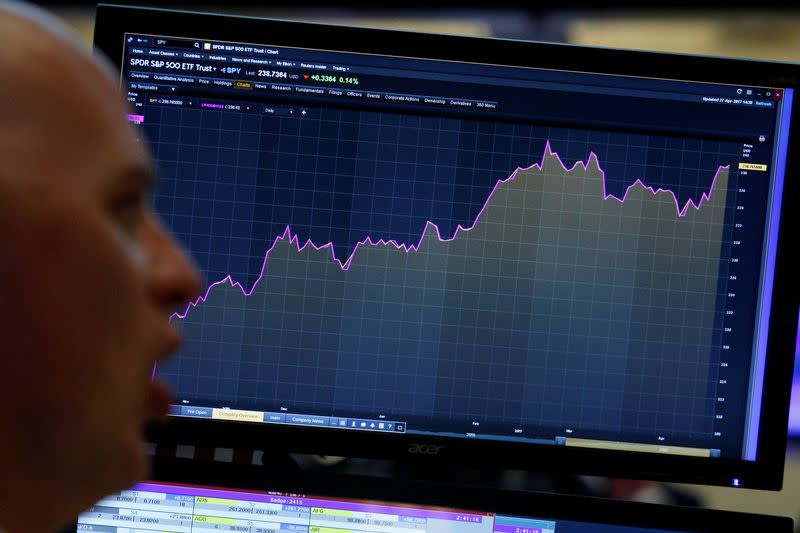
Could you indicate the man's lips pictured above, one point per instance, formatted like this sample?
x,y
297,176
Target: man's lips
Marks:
x,y
173,339
160,396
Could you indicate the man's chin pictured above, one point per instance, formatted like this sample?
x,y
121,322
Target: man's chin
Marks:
x,y
134,464
118,465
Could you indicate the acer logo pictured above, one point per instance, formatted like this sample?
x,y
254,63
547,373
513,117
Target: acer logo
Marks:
x,y
425,449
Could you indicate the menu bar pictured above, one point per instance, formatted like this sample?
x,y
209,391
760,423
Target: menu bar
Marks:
x,y
239,415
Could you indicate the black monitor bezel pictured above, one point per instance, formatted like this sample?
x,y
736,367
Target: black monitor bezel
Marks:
x,y
112,22
548,506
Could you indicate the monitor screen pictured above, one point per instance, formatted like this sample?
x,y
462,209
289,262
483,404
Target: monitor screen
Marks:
x,y
159,506
191,495
408,245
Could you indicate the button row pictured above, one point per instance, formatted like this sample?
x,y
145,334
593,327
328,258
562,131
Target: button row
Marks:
x,y
287,418
308,90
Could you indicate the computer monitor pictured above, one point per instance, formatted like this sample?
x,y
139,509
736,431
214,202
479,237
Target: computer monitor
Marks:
x,y
546,256
226,497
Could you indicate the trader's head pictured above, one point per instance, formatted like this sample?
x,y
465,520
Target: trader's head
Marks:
x,y
88,277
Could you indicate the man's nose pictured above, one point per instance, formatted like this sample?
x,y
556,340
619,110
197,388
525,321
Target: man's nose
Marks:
x,y
175,279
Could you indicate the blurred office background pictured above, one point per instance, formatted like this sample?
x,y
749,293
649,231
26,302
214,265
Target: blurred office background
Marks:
x,y
762,30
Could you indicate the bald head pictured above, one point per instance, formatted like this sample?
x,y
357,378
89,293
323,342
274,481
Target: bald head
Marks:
x,y
36,47
88,278
49,81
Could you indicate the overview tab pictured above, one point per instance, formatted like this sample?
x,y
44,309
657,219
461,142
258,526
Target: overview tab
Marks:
x,y
238,415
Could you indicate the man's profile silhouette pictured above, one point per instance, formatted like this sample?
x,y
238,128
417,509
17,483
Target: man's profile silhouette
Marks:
x,y
88,277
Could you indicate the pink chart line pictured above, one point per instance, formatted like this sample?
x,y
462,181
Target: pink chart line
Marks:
x,y
408,248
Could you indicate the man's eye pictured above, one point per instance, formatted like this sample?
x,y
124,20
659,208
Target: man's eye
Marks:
x,y
128,210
